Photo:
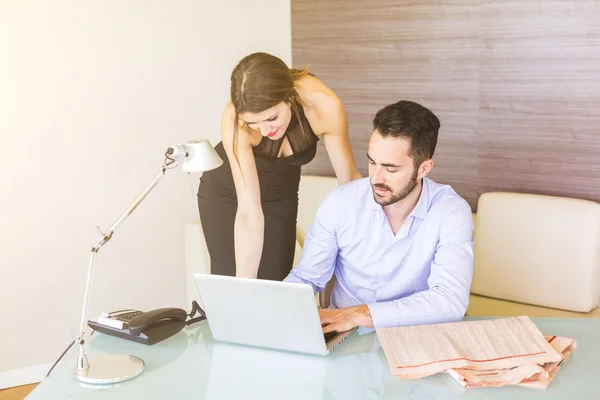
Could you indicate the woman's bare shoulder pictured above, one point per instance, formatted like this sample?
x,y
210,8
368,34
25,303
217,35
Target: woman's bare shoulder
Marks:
x,y
320,102
314,91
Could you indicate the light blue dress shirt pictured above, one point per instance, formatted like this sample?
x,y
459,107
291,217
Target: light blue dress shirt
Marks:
x,y
420,275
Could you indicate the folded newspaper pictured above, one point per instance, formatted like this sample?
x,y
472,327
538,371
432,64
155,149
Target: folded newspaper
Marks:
x,y
493,352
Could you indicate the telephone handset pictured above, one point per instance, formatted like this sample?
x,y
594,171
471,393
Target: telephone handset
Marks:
x,y
141,327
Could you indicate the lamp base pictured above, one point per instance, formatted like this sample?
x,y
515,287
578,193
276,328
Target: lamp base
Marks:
x,y
110,368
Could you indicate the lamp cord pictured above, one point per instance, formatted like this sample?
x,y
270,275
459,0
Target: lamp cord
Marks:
x,y
168,157
63,354
59,358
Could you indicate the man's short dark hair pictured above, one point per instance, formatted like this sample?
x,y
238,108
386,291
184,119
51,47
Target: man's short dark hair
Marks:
x,y
407,119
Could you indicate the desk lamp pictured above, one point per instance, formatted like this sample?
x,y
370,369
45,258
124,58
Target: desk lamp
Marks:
x,y
194,156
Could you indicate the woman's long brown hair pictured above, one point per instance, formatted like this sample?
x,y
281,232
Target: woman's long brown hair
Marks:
x,y
261,81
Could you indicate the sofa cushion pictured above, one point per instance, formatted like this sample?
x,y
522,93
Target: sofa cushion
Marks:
x,y
538,250
311,193
197,259
486,306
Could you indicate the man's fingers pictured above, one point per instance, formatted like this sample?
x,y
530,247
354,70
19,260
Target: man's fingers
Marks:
x,y
329,328
338,320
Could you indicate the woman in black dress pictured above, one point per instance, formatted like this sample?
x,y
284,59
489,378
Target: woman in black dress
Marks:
x,y
270,128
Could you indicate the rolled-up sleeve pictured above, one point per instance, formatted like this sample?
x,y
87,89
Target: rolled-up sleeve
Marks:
x,y
317,262
449,282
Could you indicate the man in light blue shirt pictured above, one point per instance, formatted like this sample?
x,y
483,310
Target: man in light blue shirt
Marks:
x,y
401,245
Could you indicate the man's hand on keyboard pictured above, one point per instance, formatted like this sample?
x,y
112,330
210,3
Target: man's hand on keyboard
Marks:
x,y
344,319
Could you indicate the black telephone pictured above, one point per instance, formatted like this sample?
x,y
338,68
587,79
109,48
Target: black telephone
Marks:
x,y
141,327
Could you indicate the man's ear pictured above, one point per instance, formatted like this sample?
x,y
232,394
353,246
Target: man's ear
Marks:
x,y
425,167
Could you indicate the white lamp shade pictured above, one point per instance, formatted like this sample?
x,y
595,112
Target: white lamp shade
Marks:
x,y
202,157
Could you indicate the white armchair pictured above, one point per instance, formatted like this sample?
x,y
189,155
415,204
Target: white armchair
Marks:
x,y
197,259
536,255
313,190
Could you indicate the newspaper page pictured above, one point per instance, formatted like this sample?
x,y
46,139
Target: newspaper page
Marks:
x,y
495,344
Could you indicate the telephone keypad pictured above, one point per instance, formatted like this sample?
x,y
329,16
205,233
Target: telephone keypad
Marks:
x,y
129,316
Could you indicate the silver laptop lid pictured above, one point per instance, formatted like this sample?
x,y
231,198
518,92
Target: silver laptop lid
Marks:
x,y
271,314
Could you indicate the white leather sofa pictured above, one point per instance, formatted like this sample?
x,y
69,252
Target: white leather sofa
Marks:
x,y
534,255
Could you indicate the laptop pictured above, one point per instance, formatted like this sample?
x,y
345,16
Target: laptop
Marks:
x,y
264,313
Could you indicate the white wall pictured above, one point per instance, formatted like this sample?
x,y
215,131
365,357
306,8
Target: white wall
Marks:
x,y
92,93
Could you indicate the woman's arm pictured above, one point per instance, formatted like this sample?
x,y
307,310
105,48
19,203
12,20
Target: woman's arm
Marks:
x,y
328,118
249,220
337,141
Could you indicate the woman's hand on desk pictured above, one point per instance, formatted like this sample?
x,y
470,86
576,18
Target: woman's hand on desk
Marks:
x,y
344,319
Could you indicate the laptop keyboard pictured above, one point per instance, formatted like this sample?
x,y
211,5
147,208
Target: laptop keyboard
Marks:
x,y
329,335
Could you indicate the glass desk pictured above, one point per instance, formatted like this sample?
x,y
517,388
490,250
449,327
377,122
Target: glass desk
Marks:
x,y
191,365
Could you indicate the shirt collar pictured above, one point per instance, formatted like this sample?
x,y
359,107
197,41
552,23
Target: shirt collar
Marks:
x,y
420,210
371,203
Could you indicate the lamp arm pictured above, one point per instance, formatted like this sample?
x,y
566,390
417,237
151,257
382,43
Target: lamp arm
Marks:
x,y
173,158
119,221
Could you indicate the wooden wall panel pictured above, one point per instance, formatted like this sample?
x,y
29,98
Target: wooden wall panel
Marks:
x,y
516,85
540,97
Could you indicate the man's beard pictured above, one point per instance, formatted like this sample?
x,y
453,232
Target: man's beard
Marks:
x,y
396,197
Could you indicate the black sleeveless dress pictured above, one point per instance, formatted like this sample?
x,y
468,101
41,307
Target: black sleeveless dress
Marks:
x,y
279,179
